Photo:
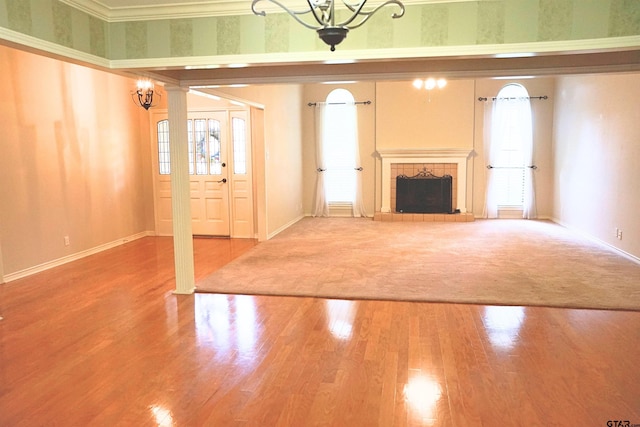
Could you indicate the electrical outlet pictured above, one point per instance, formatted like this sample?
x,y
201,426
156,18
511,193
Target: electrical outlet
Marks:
x,y
619,234
66,241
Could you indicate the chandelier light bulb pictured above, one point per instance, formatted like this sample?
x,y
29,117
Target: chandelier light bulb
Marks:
x,y
144,93
430,83
417,83
441,83
144,85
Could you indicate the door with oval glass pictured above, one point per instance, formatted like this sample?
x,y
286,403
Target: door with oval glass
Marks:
x,y
208,171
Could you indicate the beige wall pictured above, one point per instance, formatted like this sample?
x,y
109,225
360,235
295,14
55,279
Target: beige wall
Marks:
x,y
283,150
366,135
410,118
597,157
75,160
453,117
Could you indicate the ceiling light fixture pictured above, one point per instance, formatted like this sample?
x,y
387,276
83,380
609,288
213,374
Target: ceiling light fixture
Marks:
x,y
323,11
429,83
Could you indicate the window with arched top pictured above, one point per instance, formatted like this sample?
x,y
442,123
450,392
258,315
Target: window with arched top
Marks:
x,y
339,174
510,154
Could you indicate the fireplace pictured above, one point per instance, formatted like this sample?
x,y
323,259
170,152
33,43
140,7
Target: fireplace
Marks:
x,y
424,193
410,162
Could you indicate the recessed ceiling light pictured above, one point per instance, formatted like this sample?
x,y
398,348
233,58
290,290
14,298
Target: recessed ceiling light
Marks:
x,y
513,77
346,82
201,67
339,61
514,55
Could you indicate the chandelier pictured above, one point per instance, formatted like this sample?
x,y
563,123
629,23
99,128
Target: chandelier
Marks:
x,y
323,11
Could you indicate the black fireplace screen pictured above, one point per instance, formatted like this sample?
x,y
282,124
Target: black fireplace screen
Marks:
x,y
424,193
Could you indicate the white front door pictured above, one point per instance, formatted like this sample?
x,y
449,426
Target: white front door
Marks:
x,y
208,169
209,180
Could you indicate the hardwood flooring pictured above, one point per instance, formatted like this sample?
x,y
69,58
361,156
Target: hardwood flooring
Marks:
x,y
103,341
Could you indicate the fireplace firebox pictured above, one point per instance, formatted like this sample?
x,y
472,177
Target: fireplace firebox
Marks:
x,y
424,193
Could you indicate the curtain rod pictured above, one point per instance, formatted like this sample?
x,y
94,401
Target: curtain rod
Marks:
x,y
313,104
524,97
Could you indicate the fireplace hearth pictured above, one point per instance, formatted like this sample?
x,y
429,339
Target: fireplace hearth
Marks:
x,y
424,193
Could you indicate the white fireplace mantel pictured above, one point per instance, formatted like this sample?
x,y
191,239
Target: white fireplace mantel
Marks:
x,y
436,155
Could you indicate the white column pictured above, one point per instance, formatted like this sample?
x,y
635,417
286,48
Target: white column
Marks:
x,y
180,195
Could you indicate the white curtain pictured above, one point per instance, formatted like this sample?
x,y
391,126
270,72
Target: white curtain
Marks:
x,y
529,205
358,203
499,120
321,206
491,150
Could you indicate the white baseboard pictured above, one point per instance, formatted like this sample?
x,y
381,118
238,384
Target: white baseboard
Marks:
x,y
73,257
594,239
284,227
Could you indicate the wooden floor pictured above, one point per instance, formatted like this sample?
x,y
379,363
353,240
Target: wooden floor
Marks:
x,y
103,341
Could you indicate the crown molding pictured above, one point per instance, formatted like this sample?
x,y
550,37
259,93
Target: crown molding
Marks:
x,y
193,9
513,50
157,12
537,59
46,48
194,70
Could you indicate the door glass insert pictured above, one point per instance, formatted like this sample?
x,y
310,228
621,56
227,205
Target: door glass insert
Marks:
x,y
215,168
204,142
200,132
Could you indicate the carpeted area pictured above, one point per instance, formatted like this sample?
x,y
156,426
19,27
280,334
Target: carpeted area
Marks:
x,y
493,262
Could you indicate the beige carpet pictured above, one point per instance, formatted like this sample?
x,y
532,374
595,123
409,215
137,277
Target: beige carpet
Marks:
x,y
496,262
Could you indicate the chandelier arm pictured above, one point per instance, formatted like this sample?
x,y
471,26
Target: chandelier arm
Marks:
x,y
294,14
370,13
360,6
319,19
356,8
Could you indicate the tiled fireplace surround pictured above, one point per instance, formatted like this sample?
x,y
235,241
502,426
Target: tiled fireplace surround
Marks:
x,y
410,162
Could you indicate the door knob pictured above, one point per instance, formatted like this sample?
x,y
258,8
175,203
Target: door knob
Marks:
x,y
223,180
224,164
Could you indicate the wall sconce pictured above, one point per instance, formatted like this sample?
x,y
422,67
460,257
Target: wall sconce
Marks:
x,y
144,93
